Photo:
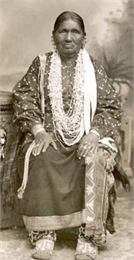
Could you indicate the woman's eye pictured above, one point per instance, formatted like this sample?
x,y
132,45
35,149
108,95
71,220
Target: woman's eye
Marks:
x,y
62,31
75,31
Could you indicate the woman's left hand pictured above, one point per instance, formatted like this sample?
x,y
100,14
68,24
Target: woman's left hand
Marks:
x,y
88,145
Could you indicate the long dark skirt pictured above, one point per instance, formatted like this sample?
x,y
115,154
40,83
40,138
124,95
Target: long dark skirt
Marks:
x,y
54,194
62,192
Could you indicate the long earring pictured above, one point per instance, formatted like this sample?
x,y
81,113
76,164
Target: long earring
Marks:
x,y
84,42
53,43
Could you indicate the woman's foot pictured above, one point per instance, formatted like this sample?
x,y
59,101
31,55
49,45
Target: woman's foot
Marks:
x,y
85,250
44,244
43,249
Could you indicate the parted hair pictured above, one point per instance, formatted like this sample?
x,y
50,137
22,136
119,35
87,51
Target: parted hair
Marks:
x,y
67,16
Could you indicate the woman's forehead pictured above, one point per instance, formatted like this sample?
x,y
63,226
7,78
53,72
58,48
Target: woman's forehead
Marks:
x,y
70,24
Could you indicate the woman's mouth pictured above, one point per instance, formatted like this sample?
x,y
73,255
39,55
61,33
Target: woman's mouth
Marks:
x,y
67,45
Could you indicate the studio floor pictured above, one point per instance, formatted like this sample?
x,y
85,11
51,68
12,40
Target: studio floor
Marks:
x,y
14,243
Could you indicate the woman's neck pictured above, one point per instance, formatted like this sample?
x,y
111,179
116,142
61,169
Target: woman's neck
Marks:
x,y
68,60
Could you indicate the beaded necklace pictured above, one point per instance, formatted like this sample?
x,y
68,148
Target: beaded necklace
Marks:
x,y
68,125
68,76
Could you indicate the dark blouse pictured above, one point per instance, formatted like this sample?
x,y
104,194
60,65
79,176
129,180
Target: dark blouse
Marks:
x,y
27,101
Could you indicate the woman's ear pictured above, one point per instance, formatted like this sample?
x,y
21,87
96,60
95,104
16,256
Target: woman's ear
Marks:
x,y
84,41
53,40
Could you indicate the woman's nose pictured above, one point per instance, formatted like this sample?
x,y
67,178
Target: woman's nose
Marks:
x,y
68,36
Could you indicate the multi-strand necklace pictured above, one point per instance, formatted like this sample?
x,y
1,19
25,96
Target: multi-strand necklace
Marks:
x,y
68,124
68,72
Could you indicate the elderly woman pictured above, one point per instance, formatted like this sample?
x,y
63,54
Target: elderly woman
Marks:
x,y
69,114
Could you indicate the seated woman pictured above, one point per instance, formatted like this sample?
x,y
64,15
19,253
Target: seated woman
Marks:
x,y
70,117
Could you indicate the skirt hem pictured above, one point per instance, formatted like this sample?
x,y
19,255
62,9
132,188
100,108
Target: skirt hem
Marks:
x,y
54,222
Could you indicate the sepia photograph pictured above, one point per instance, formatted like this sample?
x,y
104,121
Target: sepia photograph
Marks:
x,y
66,129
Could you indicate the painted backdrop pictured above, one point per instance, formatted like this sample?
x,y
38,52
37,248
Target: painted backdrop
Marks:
x,y
26,26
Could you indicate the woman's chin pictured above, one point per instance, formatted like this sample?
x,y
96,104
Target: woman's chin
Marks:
x,y
69,52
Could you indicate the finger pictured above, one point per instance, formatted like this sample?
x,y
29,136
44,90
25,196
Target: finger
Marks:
x,y
88,151
80,150
45,146
85,149
40,148
34,151
37,149
54,144
79,154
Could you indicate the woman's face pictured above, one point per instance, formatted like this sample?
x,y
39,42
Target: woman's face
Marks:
x,y
68,38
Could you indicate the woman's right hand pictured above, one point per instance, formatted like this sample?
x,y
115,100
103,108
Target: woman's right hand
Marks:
x,y
42,141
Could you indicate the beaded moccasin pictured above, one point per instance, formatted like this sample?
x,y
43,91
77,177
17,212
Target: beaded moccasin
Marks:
x,y
85,250
43,249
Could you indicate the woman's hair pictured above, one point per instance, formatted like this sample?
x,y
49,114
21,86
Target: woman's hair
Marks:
x,y
67,16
